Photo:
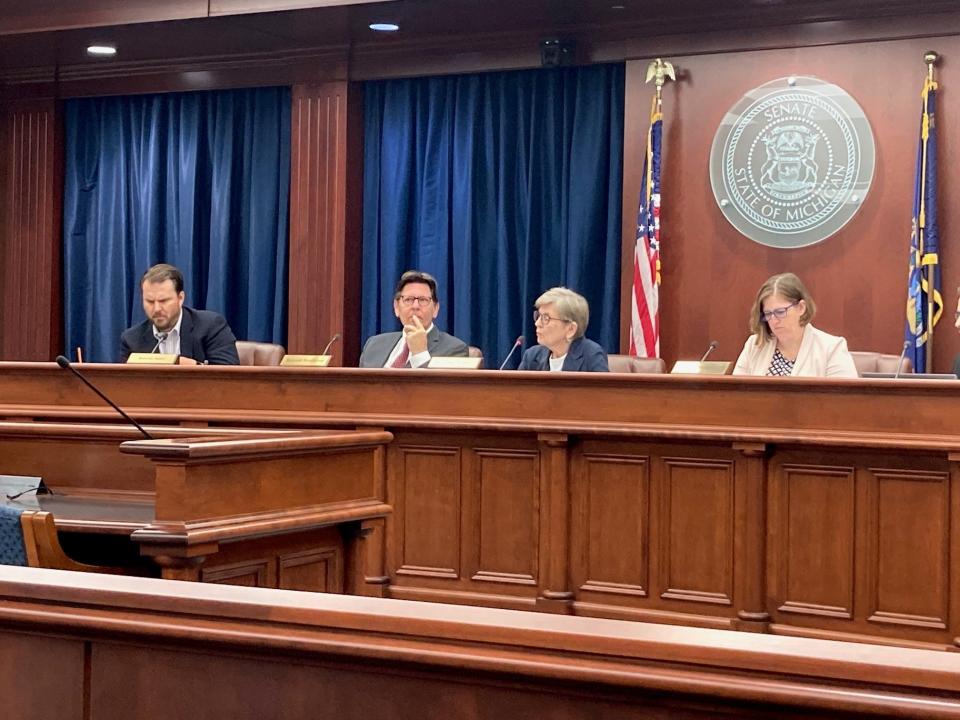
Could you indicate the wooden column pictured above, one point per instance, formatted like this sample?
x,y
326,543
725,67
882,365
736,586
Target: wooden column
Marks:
x,y
30,230
326,188
750,576
555,595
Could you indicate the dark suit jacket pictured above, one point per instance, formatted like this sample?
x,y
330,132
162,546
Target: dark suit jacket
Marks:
x,y
439,344
584,355
204,336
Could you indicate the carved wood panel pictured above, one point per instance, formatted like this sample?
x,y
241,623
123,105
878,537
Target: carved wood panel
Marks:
x,y
696,515
502,516
249,573
315,569
426,498
611,524
813,537
909,520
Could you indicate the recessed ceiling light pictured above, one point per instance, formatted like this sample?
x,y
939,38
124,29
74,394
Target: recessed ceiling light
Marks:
x,y
384,27
101,50
618,7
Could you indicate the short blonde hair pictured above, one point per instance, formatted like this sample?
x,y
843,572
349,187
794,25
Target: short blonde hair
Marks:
x,y
571,306
788,286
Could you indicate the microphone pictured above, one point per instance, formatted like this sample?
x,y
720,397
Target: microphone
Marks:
x,y
65,364
516,344
336,336
713,346
906,346
160,338
40,489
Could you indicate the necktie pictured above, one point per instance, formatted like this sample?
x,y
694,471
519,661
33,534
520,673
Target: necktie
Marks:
x,y
402,358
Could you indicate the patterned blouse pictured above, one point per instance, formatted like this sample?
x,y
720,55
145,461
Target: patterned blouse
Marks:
x,y
780,366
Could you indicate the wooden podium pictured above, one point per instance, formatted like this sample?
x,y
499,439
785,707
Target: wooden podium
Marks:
x,y
286,509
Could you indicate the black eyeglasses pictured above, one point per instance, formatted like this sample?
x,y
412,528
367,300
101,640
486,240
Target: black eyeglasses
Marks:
x,y
778,313
409,300
539,317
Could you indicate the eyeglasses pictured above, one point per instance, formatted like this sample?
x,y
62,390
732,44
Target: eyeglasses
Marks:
x,y
539,317
778,313
409,300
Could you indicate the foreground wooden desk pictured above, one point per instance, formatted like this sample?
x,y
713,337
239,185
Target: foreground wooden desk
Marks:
x,y
99,647
270,508
804,507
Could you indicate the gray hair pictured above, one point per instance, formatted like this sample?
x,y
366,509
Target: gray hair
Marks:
x,y
571,306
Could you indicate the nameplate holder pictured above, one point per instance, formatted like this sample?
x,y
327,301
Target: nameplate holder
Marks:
x,y
455,363
306,360
695,367
152,359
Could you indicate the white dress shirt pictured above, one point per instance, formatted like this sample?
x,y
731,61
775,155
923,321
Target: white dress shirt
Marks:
x,y
170,345
416,360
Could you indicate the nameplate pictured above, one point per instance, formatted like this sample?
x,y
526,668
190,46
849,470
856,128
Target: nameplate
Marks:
x,y
152,359
306,360
455,363
695,367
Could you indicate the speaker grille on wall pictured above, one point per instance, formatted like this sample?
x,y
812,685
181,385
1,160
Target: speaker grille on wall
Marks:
x,y
555,52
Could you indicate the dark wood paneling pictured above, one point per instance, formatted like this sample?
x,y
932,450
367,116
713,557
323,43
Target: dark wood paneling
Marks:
x,y
696,530
325,242
611,525
858,277
815,541
503,536
31,328
910,559
132,648
55,669
853,544
426,483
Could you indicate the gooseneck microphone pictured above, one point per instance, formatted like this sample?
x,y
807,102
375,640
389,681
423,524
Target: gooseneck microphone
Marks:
x,y
713,346
336,336
65,364
906,346
516,344
160,338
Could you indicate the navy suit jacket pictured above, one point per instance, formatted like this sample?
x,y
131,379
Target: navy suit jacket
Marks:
x,y
204,336
439,344
584,355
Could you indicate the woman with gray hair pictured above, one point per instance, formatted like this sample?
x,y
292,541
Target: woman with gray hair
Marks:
x,y
561,318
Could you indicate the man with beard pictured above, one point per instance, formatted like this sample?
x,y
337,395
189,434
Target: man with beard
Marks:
x,y
196,336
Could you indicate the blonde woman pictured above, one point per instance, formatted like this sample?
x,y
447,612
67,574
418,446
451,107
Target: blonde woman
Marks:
x,y
784,343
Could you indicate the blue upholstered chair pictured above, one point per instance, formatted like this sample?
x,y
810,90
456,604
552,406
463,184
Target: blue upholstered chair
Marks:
x,y
12,548
29,538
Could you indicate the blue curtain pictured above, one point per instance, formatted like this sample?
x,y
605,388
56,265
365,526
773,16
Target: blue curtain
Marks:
x,y
200,180
502,185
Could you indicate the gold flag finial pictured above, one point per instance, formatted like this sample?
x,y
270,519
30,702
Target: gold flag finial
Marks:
x,y
659,71
930,57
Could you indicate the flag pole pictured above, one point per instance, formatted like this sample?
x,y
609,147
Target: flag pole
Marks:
x,y
930,58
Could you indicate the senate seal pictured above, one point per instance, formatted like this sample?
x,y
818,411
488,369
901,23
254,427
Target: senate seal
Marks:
x,y
792,162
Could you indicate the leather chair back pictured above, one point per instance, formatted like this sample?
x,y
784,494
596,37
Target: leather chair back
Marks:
x,y
630,364
874,362
259,353
475,352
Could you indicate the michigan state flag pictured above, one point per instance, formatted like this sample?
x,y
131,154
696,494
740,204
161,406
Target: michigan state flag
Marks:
x,y
924,302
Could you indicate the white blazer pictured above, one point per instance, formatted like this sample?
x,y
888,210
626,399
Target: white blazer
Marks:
x,y
821,355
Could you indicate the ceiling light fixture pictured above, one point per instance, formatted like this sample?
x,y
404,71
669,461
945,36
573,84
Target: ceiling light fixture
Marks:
x,y
101,50
384,27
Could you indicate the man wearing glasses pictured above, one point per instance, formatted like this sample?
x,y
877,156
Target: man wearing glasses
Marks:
x,y
416,305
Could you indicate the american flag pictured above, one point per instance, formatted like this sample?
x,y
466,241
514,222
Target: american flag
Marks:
x,y
645,315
